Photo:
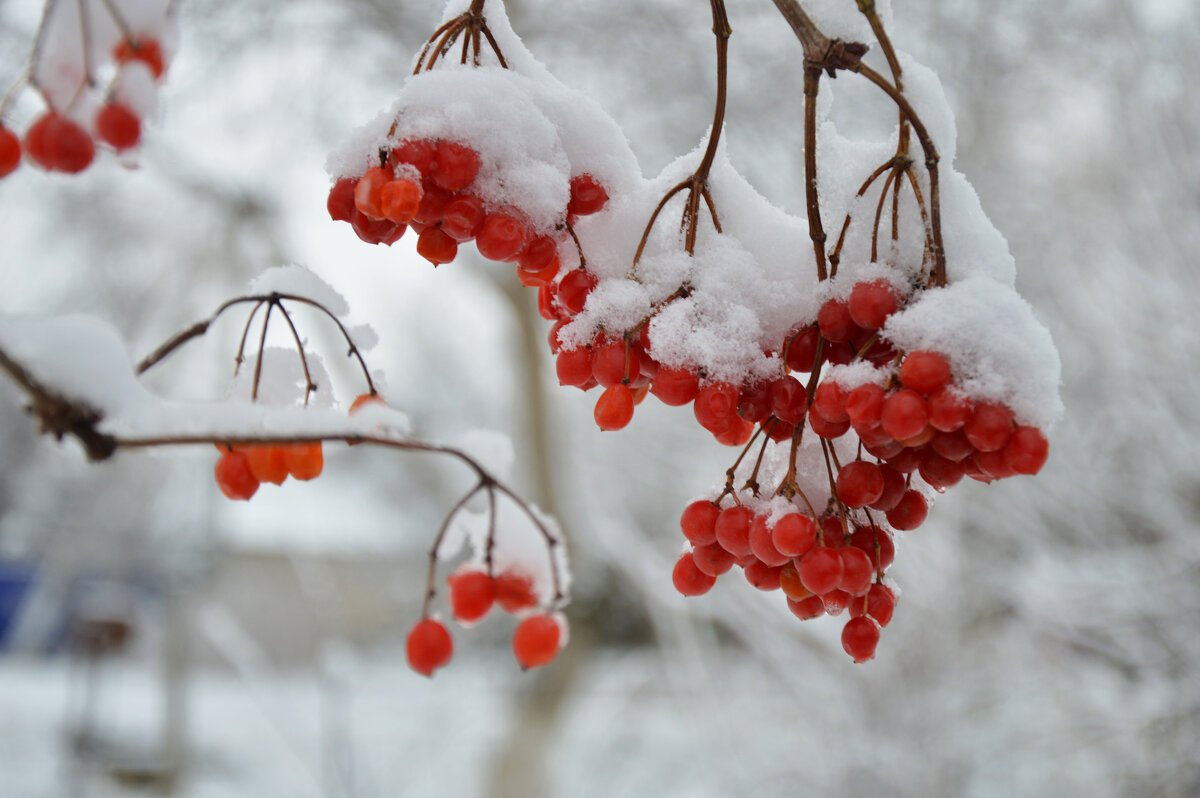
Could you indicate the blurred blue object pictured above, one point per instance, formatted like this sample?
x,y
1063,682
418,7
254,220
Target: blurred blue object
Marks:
x,y
15,580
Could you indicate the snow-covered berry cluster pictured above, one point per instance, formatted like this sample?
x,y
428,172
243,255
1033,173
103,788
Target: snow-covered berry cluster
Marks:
x,y
97,66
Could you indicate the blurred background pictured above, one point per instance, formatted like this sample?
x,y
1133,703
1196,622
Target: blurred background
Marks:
x,y
158,639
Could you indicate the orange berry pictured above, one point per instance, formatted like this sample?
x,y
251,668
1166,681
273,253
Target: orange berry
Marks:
x,y
267,462
234,476
304,460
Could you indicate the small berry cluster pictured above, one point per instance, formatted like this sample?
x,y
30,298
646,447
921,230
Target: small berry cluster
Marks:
x,y
430,186
472,594
58,141
824,567
241,469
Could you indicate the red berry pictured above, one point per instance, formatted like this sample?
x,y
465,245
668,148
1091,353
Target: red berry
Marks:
x,y
859,483
118,126
454,165
789,582
144,49
871,303
267,462
910,512
536,640
540,257
587,196
471,594
835,322
434,201
304,460
675,387
58,144
737,434
880,603
827,429
789,399
462,218
805,609
952,445
857,571
690,580
698,522
990,426
904,414
367,193
574,288
234,477
514,591
836,601
716,407
10,151
802,350
733,529
762,543
940,473
754,404
399,200
435,246
893,488
870,538
1027,450
574,366
794,535
949,409
829,402
863,406
428,646
924,372
501,238
762,576
341,200
821,569
615,362
376,231
712,559
418,153
614,408
860,636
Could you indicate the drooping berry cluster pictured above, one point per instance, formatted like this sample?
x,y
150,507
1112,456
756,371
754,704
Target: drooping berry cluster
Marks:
x,y
472,593
430,186
241,469
103,106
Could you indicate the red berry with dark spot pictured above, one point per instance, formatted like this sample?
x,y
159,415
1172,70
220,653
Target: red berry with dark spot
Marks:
x,y
910,512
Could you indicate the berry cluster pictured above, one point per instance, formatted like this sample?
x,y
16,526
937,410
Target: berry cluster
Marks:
x,y
241,469
822,567
430,186
64,138
472,594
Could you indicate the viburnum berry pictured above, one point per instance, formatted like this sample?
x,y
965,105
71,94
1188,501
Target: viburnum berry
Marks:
x,y
502,237
587,196
455,165
871,303
860,636
615,362
829,402
429,646
57,144
614,408
808,608
952,445
536,640
794,534
715,406
472,594
514,591
880,603
698,522
712,559
904,414
802,349
834,320
267,462
574,288
789,582
949,409
434,201
10,151
375,231
924,372
539,260
827,429
436,247
234,477
363,400
733,529
367,192
893,488
821,569
118,126
340,204
789,399
877,544
688,579
399,200
762,543
863,406
574,366
463,217
762,576
990,426
737,434
1027,450
418,153
910,512
304,460
836,601
859,483
940,473
144,49
857,571
675,387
